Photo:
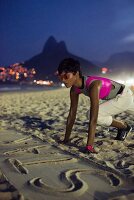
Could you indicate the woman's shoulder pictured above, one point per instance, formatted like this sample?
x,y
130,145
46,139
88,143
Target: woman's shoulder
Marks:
x,y
91,80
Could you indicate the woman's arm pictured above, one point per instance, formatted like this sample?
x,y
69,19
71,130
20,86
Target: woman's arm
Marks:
x,y
94,97
72,114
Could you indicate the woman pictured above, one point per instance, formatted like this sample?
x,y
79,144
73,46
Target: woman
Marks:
x,y
118,98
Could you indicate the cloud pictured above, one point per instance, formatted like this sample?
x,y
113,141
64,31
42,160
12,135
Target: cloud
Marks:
x,y
128,39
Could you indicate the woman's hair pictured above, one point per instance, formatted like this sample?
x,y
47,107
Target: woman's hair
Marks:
x,y
69,65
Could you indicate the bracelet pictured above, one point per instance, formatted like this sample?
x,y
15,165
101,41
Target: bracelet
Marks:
x,y
89,147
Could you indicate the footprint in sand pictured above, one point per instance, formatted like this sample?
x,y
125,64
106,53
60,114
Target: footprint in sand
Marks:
x,y
131,146
100,135
123,166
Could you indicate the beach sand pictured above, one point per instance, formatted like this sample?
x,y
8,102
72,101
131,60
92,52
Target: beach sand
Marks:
x,y
35,166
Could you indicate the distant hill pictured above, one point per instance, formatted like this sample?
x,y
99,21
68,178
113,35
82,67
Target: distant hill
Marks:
x,y
47,61
121,64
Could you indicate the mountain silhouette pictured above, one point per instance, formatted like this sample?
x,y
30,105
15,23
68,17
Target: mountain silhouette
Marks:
x,y
121,64
121,60
53,52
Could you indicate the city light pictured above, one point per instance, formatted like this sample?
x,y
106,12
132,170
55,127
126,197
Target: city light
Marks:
x,y
62,85
43,82
104,70
16,72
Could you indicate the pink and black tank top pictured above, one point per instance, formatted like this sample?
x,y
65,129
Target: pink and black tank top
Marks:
x,y
107,92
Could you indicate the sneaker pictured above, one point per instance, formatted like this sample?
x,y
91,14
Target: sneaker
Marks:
x,y
122,133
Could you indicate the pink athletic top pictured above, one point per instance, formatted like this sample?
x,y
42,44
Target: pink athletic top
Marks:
x,y
105,88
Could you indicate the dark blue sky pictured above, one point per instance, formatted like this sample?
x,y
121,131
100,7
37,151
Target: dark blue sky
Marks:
x,y
92,29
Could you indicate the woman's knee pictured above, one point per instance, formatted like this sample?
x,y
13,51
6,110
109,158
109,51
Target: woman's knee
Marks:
x,y
104,120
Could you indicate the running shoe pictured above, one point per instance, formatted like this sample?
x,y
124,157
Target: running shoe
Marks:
x,y
122,133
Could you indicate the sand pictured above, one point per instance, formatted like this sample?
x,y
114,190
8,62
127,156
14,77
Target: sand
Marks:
x,y
35,166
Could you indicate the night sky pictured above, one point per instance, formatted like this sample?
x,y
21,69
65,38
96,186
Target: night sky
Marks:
x,y
92,29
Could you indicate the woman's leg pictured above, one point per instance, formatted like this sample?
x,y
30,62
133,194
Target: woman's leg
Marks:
x,y
120,124
113,107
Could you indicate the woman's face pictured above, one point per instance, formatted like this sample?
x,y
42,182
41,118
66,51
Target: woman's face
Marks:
x,y
68,78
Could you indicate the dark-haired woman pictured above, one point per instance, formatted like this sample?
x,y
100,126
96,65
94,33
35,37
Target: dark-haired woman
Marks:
x,y
118,98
